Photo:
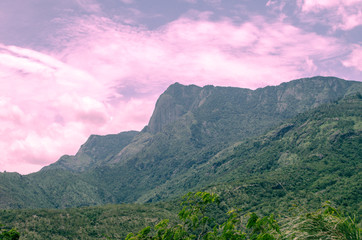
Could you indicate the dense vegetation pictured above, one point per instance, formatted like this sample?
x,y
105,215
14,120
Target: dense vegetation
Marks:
x,y
197,222
202,215
113,221
11,234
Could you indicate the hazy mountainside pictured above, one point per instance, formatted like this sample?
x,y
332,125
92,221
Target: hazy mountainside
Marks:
x,y
313,157
95,152
190,129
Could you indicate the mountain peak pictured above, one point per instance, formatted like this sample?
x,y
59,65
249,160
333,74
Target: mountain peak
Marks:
x,y
172,104
179,99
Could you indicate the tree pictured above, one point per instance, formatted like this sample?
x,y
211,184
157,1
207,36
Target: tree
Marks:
x,y
195,223
11,234
327,223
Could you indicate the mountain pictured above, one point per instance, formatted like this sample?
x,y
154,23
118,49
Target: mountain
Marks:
x,y
193,134
296,165
218,115
307,160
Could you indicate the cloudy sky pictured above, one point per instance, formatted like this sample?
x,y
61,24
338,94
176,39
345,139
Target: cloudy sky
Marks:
x,y
72,68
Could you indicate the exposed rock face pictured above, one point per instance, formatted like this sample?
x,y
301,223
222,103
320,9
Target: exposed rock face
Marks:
x,y
288,98
172,104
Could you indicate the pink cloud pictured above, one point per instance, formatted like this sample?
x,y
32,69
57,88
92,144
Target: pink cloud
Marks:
x,y
107,77
339,14
48,108
190,1
317,5
355,58
89,5
211,52
127,1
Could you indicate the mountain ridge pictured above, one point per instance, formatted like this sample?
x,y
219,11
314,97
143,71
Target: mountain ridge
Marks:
x,y
178,100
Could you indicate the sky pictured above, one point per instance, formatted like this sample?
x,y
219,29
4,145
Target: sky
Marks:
x,y
72,68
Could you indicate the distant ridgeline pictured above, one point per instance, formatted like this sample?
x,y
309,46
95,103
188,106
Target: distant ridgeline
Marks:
x,y
260,150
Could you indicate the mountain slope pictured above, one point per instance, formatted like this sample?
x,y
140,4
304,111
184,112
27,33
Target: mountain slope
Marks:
x,y
216,118
212,117
313,158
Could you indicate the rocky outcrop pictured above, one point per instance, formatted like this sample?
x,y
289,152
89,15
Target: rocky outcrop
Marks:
x,y
172,104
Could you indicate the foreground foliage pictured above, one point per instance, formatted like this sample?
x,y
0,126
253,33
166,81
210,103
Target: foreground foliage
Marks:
x,y
202,215
11,234
326,223
195,223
